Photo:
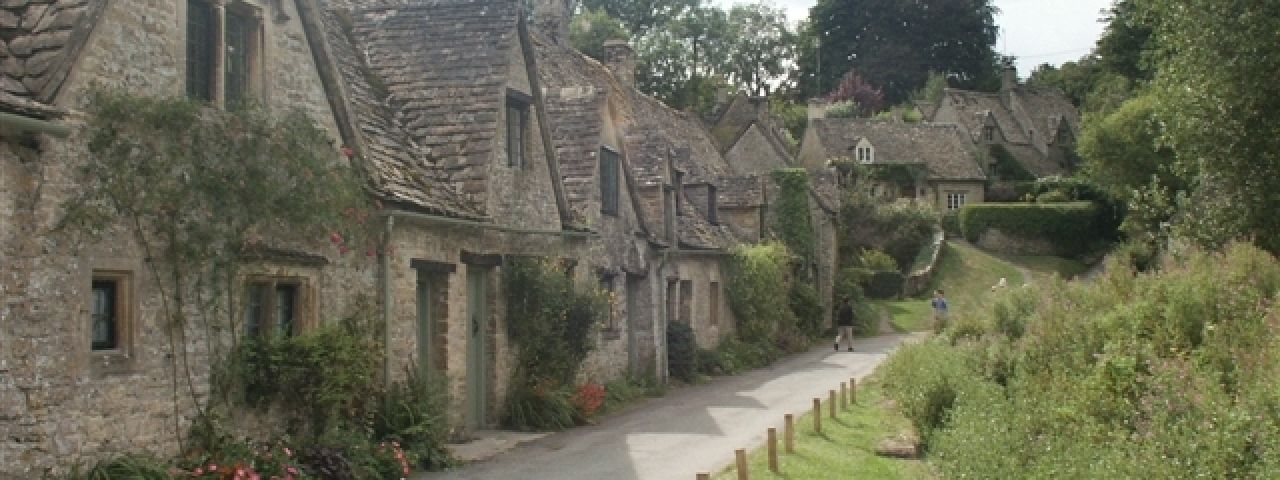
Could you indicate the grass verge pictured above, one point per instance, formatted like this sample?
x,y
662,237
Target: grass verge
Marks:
x,y
909,315
844,449
1046,266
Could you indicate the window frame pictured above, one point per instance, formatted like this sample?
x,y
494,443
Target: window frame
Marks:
x,y
517,146
122,310
213,77
610,169
956,200
269,324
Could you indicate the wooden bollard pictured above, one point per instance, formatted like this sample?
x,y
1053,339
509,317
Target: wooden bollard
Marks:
x,y
832,401
789,433
817,415
844,396
703,476
853,390
773,450
741,455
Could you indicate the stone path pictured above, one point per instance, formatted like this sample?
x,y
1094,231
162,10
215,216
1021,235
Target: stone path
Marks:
x,y
693,429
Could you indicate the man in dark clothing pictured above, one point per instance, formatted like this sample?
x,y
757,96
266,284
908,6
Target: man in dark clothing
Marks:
x,y
844,319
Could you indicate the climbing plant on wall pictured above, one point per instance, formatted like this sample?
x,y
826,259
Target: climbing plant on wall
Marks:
x,y
198,189
792,224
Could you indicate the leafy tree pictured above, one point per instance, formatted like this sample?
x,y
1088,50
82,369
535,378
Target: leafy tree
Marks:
x,y
1126,45
866,99
1075,79
642,16
682,64
1121,149
591,28
1220,104
896,44
932,90
760,45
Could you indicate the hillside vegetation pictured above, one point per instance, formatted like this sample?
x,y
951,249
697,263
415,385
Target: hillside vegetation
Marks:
x,y
1132,375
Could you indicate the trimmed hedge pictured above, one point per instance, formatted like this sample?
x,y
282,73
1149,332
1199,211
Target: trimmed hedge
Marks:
x,y
1072,228
885,284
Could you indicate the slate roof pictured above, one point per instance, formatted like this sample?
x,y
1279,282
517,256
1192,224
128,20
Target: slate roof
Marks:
x,y
576,89
740,191
1028,129
39,40
402,171
703,162
737,118
444,64
942,148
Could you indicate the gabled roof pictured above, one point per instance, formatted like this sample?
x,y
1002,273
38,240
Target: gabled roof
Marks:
x,y
39,42
703,162
943,149
443,66
740,191
401,170
1028,128
576,92
736,119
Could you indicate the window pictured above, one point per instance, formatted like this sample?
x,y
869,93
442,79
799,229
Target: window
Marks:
x,y
106,318
606,286
715,304
272,307
989,133
517,127
686,301
608,181
239,28
955,200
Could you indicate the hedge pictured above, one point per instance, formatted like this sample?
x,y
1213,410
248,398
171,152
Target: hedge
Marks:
x,y
1070,227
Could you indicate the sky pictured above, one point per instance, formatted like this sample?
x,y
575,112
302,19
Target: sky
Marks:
x,y
1036,31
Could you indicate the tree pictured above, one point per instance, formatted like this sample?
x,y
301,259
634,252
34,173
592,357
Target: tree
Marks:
x,y
642,16
866,99
1220,104
1122,150
682,64
761,46
896,44
1126,44
1075,79
591,28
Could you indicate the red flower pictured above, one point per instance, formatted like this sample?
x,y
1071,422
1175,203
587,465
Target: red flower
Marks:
x,y
335,237
348,151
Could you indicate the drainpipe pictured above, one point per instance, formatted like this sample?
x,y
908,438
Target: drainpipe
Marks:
x,y
386,300
28,124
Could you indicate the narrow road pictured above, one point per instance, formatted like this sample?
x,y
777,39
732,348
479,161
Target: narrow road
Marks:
x,y
690,430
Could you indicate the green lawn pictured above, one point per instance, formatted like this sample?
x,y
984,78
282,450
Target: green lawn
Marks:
x,y
909,315
844,449
1048,266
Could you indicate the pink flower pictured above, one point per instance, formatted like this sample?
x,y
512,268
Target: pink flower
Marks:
x,y
335,237
343,249
291,470
288,452
213,467
197,472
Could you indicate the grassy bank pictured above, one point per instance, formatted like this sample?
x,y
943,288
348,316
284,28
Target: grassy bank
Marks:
x,y
844,449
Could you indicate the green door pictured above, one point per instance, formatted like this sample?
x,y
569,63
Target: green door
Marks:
x,y
477,323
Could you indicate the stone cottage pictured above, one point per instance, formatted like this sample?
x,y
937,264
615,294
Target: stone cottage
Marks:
x,y
1037,125
70,393
934,163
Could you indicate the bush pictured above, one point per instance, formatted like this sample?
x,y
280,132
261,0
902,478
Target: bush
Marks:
x,y
682,350
1052,196
899,229
877,261
1072,228
885,285
807,307
758,277
951,223
925,380
139,467
413,413
541,406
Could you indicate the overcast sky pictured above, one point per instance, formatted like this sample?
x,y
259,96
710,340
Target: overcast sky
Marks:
x,y
1036,31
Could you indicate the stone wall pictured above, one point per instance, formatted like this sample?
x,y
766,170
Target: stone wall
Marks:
x,y
754,154
61,403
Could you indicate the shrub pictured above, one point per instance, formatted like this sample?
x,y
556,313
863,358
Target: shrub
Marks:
x,y
140,467
1052,196
877,261
951,222
541,406
899,228
413,412
681,351
884,285
758,274
1071,228
925,380
807,307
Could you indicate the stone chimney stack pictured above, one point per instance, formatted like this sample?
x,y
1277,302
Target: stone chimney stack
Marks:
x,y
1008,82
817,108
551,17
621,60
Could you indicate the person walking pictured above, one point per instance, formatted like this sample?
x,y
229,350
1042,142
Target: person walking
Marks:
x,y
939,310
844,319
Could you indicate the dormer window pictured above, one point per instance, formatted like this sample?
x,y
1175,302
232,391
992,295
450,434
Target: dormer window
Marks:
x,y
865,152
222,56
989,133
609,170
517,127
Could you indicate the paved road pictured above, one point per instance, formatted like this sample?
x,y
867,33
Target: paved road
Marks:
x,y
690,430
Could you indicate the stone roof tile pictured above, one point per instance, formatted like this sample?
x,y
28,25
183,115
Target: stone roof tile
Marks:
x,y
942,148
39,40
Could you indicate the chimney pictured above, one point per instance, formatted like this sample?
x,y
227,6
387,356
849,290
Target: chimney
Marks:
x,y
1008,82
551,17
817,108
621,60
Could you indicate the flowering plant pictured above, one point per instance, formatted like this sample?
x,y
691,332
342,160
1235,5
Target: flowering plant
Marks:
x,y
588,399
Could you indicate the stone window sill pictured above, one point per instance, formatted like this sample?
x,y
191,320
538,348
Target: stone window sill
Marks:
x,y
111,362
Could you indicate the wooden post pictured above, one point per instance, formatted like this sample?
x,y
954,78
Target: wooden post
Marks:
x,y
703,476
817,415
789,433
844,396
773,450
741,455
831,399
853,390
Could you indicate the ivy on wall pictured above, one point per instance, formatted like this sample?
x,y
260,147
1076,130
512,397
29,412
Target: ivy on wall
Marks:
x,y
792,223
